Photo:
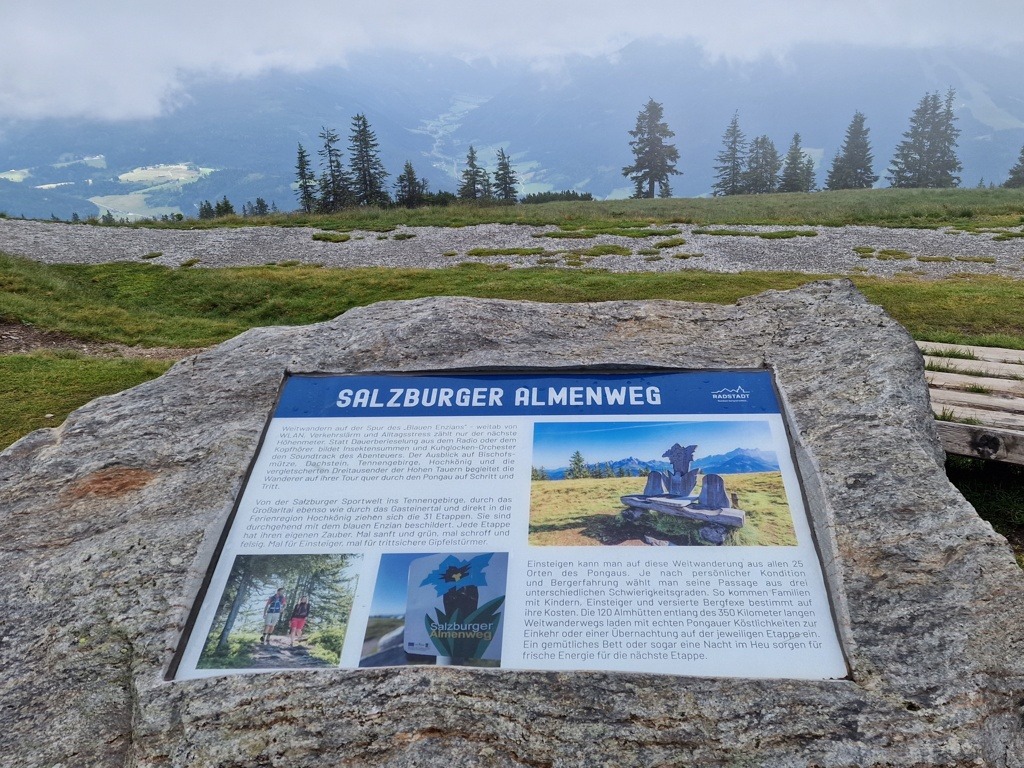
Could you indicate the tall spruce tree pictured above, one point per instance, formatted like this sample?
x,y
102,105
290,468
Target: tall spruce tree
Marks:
x,y
654,158
306,182
926,158
853,165
505,180
795,169
1016,178
810,174
335,184
367,170
761,175
731,160
476,182
578,468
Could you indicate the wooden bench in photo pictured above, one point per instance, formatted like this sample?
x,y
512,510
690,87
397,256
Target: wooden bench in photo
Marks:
x,y
978,399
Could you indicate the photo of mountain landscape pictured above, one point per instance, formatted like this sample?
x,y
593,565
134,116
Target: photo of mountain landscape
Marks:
x,y
581,502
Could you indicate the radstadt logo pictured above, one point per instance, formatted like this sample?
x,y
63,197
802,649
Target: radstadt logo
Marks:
x,y
738,394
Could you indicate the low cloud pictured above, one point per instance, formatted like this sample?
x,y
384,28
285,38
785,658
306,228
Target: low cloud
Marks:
x,y
124,60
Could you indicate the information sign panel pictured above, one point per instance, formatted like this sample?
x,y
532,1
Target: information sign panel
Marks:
x,y
644,521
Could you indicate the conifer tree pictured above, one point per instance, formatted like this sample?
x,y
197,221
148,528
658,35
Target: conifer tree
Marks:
x,y
259,208
224,207
476,182
654,158
810,174
853,165
795,169
306,182
926,158
505,180
761,175
366,169
335,183
410,190
1016,177
577,467
731,160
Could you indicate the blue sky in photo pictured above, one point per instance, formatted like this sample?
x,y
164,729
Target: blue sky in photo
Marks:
x,y
555,442
391,590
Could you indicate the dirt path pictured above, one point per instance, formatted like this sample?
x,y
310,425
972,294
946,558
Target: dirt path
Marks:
x,y
19,339
279,654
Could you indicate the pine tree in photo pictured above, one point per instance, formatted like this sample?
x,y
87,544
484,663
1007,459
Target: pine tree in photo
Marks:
x,y
654,158
731,161
305,181
505,180
853,165
365,166
577,467
794,169
1016,178
926,158
761,175
476,182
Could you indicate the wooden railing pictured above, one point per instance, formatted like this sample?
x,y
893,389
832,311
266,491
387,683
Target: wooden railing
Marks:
x,y
978,399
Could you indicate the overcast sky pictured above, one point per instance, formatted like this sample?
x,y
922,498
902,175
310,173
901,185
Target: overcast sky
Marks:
x,y
116,59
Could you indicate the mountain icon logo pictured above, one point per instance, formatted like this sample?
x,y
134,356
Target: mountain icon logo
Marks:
x,y
731,395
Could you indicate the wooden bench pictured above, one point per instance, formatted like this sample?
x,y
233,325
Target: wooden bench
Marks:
x,y
978,399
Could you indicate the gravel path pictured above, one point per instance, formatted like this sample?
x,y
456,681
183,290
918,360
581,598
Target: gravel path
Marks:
x,y
929,253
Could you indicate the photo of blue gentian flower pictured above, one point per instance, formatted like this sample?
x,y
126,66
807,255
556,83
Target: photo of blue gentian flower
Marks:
x,y
454,573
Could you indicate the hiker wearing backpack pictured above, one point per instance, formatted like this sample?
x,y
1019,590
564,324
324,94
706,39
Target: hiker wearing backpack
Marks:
x,y
272,610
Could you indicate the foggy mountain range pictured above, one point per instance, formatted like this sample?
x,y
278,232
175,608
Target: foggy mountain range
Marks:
x,y
564,128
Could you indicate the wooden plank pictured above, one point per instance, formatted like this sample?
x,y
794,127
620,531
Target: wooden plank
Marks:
x,y
991,354
983,417
982,442
975,367
1011,387
957,399
998,434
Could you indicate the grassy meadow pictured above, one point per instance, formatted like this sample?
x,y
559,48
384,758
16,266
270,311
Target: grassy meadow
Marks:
x,y
585,512
962,208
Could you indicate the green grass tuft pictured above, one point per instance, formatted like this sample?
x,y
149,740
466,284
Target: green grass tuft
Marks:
x,y
332,237
505,251
42,384
672,242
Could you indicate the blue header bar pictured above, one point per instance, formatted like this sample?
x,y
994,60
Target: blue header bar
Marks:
x,y
486,394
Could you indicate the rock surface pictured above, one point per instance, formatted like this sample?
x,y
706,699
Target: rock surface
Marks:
x,y
108,523
929,253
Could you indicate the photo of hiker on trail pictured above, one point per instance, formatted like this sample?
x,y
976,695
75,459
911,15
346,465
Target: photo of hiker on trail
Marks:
x,y
260,625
